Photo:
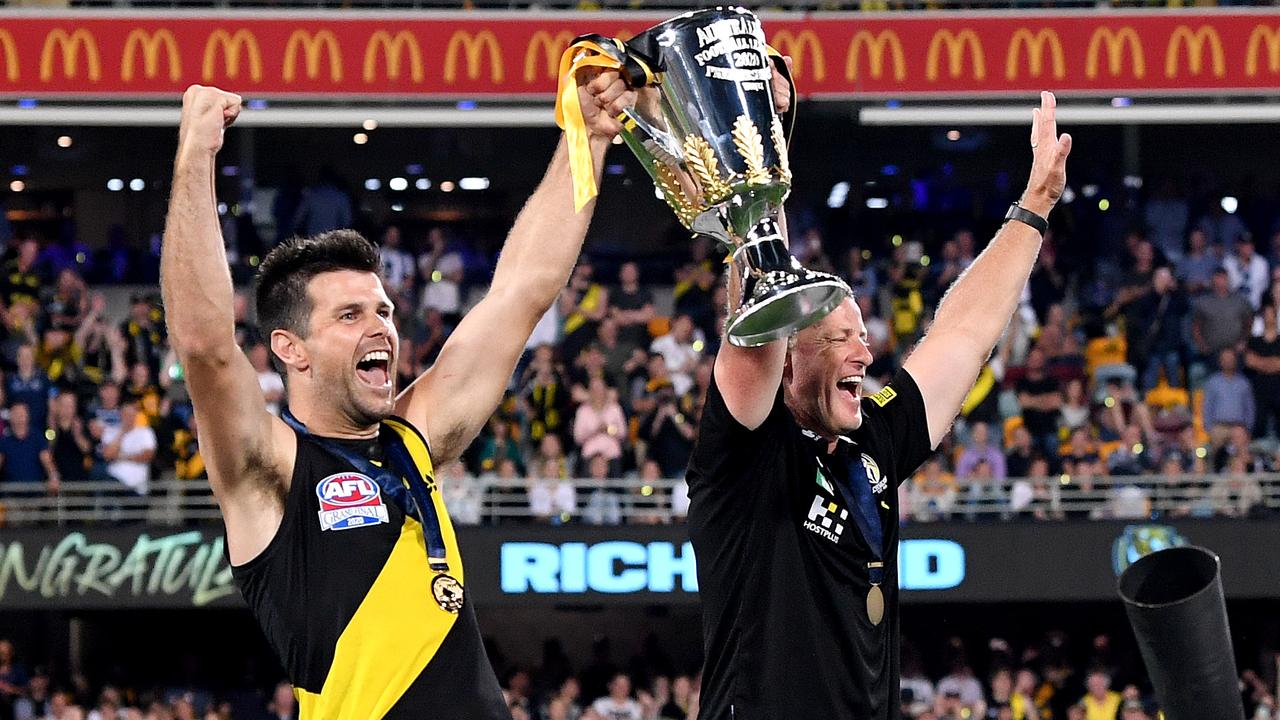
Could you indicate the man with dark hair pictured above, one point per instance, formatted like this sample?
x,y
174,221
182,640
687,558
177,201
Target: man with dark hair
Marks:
x,y
793,483
336,531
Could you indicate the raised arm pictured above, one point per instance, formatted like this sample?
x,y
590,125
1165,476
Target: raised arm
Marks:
x,y
452,401
748,378
249,454
974,312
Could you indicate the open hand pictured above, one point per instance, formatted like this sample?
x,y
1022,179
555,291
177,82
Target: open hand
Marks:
x,y
206,112
1049,158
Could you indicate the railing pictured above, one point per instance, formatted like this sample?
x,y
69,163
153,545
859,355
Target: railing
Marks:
x,y
485,501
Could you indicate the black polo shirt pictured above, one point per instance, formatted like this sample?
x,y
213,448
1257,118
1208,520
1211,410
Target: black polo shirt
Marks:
x,y
782,565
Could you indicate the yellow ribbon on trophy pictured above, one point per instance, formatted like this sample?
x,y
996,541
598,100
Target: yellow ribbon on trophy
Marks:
x,y
580,55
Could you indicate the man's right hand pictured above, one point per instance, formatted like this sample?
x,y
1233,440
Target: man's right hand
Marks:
x,y
206,113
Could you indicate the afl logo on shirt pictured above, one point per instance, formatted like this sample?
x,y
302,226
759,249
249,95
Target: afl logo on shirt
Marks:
x,y
350,500
874,476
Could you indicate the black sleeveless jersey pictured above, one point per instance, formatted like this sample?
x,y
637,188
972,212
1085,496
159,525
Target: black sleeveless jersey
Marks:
x,y
345,596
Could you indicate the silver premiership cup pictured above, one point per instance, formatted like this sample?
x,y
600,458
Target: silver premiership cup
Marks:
x,y
705,127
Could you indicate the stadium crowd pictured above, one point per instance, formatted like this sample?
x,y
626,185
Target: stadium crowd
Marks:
x,y
1158,357
1055,677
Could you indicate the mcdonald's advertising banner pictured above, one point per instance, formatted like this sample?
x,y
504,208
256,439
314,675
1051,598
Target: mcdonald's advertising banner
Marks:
x,y
505,55
104,567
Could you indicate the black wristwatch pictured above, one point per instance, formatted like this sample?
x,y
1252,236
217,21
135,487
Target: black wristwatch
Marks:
x,y
1023,215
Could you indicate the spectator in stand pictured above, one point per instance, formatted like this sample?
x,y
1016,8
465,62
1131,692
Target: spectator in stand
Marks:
x,y
669,431
631,307
621,361
24,453
71,446
1221,319
1075,408
1247,271
397,266
1238,494
442,274
583,307
70,302
860,275
1047,284
1195,270
1262,360
1017,461
463,493
498,446
269,380
22,283
1003,695
1132,456
429,340
1155,337
599,426
1041,400
942,274
1228,399
962,682
618,704
13,679
552,497
932,492
143,330
604,505
129,449
1100,701
981,449
325,205
545,395
681,349
30,386
695,283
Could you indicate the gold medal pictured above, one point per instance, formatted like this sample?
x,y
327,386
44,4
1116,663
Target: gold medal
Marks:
x,y
875,605
449,594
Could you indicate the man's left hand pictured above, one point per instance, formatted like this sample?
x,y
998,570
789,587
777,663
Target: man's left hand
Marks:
x,y
1049,164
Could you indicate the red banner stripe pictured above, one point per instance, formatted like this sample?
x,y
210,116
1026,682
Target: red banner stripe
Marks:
x,y
478,55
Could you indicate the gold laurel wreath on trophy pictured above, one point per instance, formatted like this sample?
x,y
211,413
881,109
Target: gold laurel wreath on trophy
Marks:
x,y
746,138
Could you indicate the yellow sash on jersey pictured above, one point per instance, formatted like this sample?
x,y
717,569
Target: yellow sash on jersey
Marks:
x,y
398,627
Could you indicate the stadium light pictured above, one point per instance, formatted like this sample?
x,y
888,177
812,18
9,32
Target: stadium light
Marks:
x,y
137,185
474,183
422,184
115,184
877,203
64,141
839,194
359,138
398,184
372,184
1230,205
17,186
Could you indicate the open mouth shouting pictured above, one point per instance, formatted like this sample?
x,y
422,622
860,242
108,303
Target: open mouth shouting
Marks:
x,y
850,388
374,369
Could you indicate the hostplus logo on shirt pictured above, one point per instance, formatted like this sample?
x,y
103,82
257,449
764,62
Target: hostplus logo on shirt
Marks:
x,y
826,519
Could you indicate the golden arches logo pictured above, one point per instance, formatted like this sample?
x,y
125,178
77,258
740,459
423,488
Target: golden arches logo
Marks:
x,y
151,43
70,44
1262,34
956,44
472,47
393,47
552,47
1035,45
886,41
1195,42
798,46
10,55
232,45
311,47
1115,41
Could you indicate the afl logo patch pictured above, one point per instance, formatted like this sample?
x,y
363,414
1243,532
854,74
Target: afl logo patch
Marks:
x,y
448,593
350,500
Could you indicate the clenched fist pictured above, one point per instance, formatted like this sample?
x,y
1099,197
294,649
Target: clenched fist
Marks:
x,y
206,112
603,95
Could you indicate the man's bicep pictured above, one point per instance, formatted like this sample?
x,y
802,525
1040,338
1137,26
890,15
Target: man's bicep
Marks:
x,y
451,401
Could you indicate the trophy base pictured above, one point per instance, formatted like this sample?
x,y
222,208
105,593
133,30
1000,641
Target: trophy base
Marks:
x,y
783,304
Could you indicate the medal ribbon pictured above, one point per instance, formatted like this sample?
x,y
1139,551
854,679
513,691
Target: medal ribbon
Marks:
x,y
406,486
856,491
